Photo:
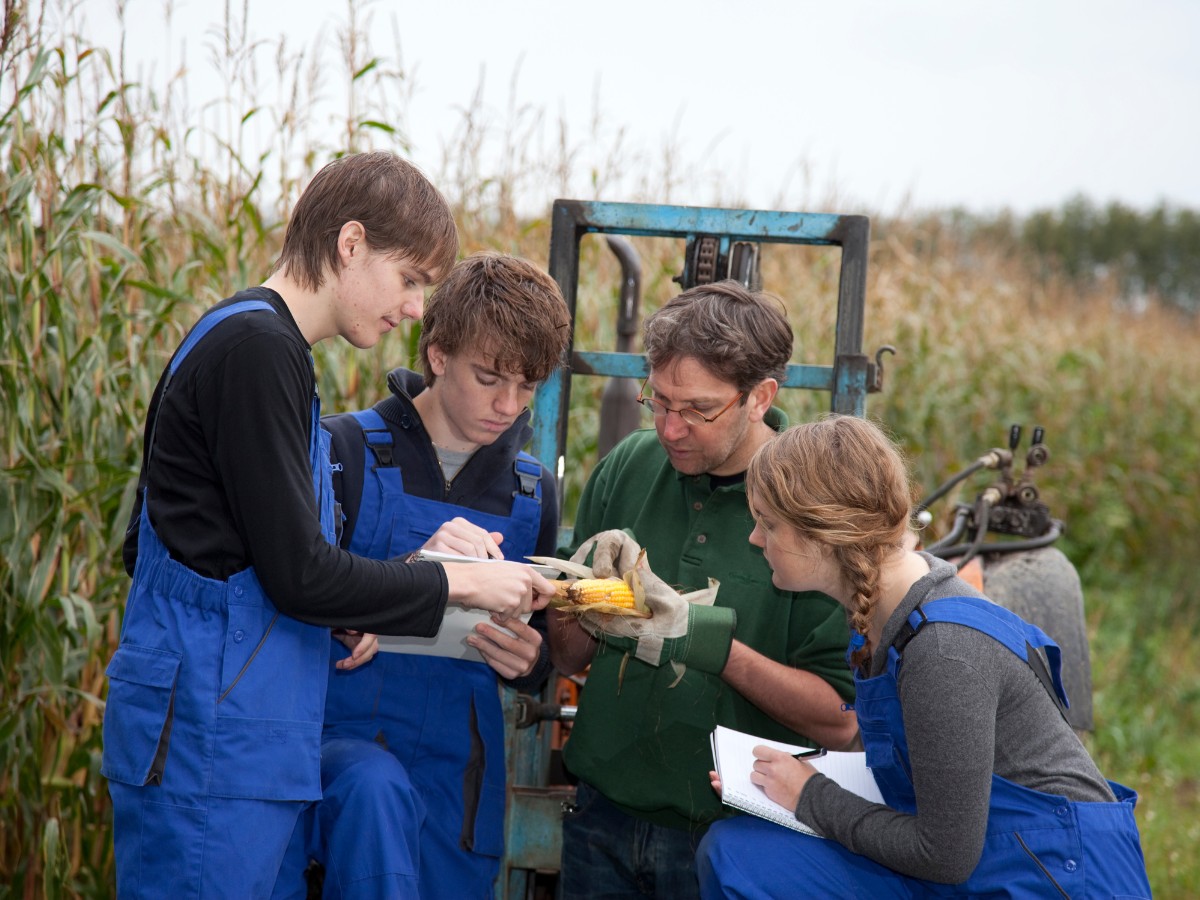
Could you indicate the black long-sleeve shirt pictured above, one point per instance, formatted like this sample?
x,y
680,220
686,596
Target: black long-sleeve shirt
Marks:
x,y
229,483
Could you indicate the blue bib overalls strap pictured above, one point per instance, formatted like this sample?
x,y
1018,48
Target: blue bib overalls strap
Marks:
x,y
213,720
877,702
391,522
1037,845
415,744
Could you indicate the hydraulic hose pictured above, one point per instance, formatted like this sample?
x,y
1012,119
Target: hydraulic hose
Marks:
x,y
956,530
1055,531
982,512
985,461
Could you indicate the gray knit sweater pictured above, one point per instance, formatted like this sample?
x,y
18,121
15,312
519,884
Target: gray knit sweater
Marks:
x,y
971,708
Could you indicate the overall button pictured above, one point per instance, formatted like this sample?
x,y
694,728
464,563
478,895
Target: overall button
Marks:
x,y
405,421
1060,811
702,539
238,636
238,591
697,506
1070,865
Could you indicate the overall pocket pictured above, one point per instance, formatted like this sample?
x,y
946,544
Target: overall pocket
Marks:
x,y
138,714
484,780
267,728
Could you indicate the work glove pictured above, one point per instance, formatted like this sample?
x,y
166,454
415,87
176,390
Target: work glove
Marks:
x,y
683,629
614,553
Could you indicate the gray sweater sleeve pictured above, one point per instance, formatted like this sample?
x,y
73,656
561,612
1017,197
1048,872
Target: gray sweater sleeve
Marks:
x,y
950,720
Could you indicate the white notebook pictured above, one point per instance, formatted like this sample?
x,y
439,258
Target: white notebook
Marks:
x,y
733,758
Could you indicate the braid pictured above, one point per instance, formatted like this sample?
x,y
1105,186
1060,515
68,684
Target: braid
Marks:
x,y
860,565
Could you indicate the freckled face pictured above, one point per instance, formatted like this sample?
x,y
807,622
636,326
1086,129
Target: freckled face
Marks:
x,y
797,564
375,293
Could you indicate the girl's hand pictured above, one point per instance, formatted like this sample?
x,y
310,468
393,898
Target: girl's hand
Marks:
x,y
781,776
715,780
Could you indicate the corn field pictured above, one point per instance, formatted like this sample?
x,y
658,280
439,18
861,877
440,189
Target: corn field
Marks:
x,y
119,225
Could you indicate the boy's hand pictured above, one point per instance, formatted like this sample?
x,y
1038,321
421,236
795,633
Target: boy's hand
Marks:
x,y
363,648
507,589
463,538
510,655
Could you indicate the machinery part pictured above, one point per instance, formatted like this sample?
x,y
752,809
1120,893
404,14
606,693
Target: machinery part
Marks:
x,y
1022,571
744,265
705,260
847,380
714,257
530,711
947,548
1042,587
619,414
875,373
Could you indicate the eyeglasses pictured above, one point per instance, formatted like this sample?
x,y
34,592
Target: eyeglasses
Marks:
x,y
689,415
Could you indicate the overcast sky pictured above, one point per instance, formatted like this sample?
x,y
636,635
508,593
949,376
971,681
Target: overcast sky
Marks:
x,y
882,105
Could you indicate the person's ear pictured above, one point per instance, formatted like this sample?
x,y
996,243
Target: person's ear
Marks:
x,y
352,242
437,360
760,397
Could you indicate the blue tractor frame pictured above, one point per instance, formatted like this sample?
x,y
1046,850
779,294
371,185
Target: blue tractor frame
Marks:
x,y
720,243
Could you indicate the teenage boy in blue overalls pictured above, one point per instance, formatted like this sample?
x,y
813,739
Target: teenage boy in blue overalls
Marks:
x,y
217,689
412,765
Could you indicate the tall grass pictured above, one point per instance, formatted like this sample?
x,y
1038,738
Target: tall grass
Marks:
x,y
121,219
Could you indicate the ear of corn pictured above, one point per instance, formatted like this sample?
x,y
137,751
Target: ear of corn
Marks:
x,y
587,591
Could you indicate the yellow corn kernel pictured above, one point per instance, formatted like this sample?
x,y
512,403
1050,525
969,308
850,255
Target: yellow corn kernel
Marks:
x,y
613,591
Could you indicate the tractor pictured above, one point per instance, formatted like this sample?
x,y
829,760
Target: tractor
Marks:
x,y
1004,540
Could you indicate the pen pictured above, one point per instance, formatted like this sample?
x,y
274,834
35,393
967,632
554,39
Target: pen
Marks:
x,y
809,754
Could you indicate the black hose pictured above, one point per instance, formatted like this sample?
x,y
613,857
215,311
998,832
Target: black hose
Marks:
x,y
1053,534
945,488
983,512
956,530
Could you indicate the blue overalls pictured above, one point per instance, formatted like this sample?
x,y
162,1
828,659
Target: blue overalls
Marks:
x,y
1037,845
415,743
213,722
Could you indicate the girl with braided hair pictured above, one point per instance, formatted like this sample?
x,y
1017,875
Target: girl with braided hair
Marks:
x,y
988,790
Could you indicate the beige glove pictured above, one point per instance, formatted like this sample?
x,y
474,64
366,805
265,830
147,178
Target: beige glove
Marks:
x,y
616,552
686,629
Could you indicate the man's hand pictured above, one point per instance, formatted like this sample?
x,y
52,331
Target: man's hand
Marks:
x,y
363,648
463,538
613,553
510,655
687,630
572,647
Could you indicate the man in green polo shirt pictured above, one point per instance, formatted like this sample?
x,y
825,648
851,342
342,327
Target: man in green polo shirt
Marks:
x,y
762,660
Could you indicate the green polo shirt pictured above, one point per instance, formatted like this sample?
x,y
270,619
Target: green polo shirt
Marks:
x,y
641,742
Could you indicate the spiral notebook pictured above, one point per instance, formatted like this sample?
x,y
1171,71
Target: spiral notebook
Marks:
x,y
733,758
